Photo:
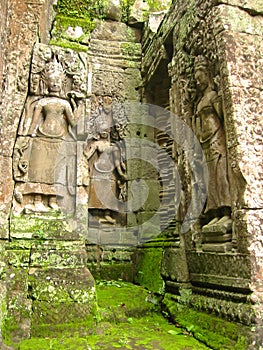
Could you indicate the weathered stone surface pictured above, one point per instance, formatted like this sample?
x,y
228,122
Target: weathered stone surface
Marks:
x,y
6,193
59,258
114,10
44,227
115,60
18,322
139,13
174,265
230,36
113,31
244,56
215,268
225,269
251,6
62,285
207,323
111,262
51,313
22,22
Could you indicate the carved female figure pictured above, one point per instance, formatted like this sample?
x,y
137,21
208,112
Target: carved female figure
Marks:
x,y
210,131
51,120
106,172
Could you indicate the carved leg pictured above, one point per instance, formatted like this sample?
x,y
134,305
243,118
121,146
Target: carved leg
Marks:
x,y
107,218
39,206
212,222
53,202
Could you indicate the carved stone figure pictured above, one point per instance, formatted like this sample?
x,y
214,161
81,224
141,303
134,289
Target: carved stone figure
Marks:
x,y
48,120
107,177
210,131
44,160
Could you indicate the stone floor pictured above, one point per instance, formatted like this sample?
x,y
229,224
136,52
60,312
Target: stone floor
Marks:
x,y
128,318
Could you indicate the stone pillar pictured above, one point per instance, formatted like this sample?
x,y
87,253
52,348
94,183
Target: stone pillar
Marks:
x,y
19,28
241,65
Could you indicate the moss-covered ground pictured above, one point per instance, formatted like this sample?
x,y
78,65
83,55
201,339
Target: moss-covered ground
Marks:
x,y
128,318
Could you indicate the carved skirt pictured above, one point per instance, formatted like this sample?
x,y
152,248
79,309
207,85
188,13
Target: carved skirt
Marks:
x,y
42,165
218,192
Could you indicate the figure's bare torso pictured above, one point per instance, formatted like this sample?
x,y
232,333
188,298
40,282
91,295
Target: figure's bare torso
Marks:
x,y
53,123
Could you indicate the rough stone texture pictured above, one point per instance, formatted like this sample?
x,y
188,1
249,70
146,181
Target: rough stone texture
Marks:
x,y
229,35
19,30
213,271
46,279
111,262
115,61
242,37
20,24
243,42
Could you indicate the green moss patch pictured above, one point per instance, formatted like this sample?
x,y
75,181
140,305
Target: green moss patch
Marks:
x,y
118,301
152,332
148,266
127,319
73,15
65,26
82,8
213,331
158,5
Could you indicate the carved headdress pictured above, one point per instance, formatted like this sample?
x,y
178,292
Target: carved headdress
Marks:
x,y
53,68
200,63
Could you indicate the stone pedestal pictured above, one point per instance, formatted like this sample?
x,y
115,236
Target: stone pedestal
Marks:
x,y
49,285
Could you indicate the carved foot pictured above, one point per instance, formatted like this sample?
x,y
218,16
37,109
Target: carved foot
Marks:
x,y
53,204
35,208
211,223
223,224
108,220
40,208
224,220
29,208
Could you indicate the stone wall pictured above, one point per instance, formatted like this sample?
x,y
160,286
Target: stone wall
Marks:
x,y
44,256
21,23
144,83
223,264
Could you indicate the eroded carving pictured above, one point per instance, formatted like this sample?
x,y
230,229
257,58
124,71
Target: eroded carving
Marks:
x,y
51,111
210,131
104,152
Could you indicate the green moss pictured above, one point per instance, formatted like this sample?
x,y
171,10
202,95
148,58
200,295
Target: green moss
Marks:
x,y
159,5
64,330
126,9
68,44
148,266
123,300
76,13
49,226
82,8
131,49
16,321
215,332
115,271
39,227
47,344
134,325
62,24
145,333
